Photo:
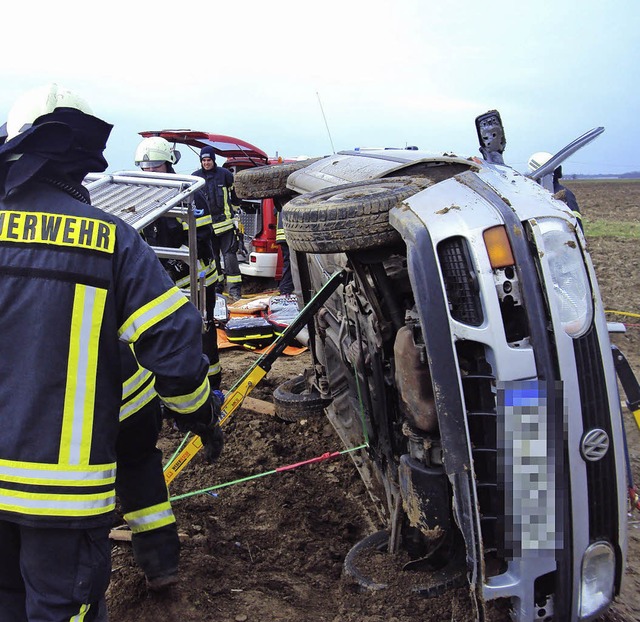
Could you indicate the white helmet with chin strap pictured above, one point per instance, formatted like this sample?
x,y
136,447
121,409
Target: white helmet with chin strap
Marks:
x,y
154,151
40,101
538,159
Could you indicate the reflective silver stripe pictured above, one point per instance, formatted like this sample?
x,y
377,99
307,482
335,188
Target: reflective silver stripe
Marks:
x,y
80,384
201,221
214,369
83,379
134,405
139,379
221,227
138,521
32,474
151,313
186,404
56,505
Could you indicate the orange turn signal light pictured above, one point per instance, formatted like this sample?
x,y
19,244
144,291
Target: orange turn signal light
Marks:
x,y
498,247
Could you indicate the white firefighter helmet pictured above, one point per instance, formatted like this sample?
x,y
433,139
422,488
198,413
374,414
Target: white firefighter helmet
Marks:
x,y
153,151
538,159
39,101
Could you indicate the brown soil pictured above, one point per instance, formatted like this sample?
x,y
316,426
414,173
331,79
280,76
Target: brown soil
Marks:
x,y
272,548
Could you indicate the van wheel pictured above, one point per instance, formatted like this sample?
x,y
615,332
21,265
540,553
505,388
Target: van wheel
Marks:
x,y
348,217
295,399
357,565
267,182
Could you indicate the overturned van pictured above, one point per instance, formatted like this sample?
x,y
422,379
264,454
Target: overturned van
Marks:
x,y
467,350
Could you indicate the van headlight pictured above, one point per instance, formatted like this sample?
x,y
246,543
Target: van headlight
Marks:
x,y
596,581
569,274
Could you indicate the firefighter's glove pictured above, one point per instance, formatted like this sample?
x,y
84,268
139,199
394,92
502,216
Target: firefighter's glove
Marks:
x,y
204,423
212,443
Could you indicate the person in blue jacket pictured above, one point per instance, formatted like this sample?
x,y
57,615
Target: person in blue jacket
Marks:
x,y
75,282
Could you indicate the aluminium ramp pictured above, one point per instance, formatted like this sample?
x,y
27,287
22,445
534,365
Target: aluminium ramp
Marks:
x,y
141,198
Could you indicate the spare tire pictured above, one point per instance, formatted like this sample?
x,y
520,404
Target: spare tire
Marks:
x,y
267,182
347,217
296,399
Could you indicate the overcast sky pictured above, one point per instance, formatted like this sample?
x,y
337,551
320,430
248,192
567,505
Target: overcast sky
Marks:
x,y
385,73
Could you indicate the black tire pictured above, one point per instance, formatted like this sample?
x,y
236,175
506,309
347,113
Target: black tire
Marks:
x,y
294,400
267,182
348,217
451,576
378,541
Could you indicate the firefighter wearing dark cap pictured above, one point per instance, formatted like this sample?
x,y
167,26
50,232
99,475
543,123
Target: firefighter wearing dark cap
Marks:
x,y
218,198
74,283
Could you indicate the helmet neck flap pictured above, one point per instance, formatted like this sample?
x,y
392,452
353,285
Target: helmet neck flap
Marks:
x,y
63,145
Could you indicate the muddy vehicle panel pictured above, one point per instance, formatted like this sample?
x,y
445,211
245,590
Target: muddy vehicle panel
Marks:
x,y
468,350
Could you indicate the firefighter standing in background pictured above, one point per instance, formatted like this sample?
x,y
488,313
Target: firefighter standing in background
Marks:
x,y
218,198
155,154
285,287
140,483
74,282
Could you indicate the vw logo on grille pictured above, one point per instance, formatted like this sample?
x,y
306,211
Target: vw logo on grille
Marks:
x,y
594,445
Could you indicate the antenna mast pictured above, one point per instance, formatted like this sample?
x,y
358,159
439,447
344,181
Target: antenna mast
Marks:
x,y
325,123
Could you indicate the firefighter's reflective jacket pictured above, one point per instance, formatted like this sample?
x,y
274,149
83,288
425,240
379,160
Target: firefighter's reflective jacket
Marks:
x,y
73,282
217,197
140,484
138,387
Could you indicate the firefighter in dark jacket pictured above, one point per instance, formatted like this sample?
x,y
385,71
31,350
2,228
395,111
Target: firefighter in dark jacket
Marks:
x,y
286,282
74,283
218,198
155,154
140,484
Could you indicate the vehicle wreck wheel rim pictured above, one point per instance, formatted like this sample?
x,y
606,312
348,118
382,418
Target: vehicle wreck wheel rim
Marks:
x,y
348,217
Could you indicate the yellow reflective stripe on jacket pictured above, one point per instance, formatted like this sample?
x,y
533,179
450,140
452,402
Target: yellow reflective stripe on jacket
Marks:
x,y
137,390
80,616
132,406
48,504
201,221
58,475
234,278
227,212
221,227
135,382
185,404
150,314
80,390
150,518
280,236
214,369
210,274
